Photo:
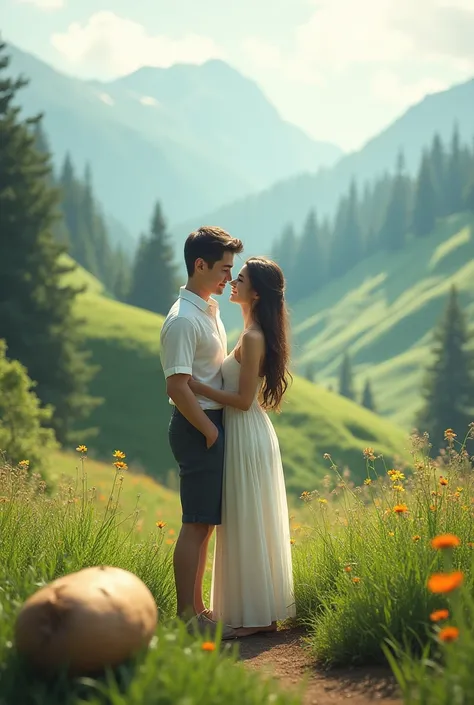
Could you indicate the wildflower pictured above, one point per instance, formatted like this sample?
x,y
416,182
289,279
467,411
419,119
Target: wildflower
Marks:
x,y
470,544
439,615
326,456
449,634
292,542
81,449
120,465
322,501
119,455
305,495
208,646
367,481
396,475
440,583
161,524
356,580
449,435
436,494
400,508
348,568
416,538
398,488
445,541
369,454
443,481
171,532
24,464
459,489
433,507
391,533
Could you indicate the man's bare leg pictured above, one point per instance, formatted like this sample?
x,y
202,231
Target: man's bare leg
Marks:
x,y
198,599
186,562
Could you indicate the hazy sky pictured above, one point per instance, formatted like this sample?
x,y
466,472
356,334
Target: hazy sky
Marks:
x,y
341,69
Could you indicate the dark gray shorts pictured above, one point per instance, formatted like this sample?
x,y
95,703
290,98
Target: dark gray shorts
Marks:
x,y
201,469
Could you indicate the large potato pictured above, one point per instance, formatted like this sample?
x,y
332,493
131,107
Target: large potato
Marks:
x,y
86,621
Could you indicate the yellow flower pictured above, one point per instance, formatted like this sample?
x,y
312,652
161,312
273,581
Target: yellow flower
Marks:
x,y
119,455
398,488
24,464
459,489
369,453
160,524
292,541
396,475
81,449
356,580
391,533
322,501
368,481
416,538
443,481
449,435
120,465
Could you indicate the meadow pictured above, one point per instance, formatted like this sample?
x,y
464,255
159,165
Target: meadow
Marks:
x,y
383,573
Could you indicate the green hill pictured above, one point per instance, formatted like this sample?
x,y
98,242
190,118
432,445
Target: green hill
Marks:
x,y
124,341
383,313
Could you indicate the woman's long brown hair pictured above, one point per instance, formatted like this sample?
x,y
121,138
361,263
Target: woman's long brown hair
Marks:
x,y
270,312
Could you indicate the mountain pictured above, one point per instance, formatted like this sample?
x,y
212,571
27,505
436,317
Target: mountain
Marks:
x,y
135,412
192,136
383,312
260,217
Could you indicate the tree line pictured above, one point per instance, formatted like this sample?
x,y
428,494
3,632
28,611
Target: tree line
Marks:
x,y
385,216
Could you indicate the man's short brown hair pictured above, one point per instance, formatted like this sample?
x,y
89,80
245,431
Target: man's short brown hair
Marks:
x,y
209,243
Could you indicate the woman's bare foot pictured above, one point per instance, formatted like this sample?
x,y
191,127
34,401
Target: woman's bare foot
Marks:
x,y
249,631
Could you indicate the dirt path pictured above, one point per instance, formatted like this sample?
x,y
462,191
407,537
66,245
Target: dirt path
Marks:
x,y
284,656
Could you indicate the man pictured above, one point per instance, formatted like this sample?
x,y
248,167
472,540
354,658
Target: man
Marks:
x,y
194,343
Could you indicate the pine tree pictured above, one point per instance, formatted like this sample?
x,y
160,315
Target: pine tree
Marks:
x,y
448,389
346,386
395,228
368,397
424,208
438,164
309,265
454,181
346,246
284,253
36,308
153,284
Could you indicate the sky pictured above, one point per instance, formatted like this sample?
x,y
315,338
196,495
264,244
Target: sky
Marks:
x,y
340,69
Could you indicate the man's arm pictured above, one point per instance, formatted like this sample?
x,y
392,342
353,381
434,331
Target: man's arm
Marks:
x,y
178,348
252,352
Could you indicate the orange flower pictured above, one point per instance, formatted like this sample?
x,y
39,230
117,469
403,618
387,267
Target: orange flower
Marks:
x,y
416,538
445,541
449,634
449,435
161,524
439,615
443,481
356,580
445,582
120,465
369,453
305,495
119,455
400,508
292,541
348,568
208,646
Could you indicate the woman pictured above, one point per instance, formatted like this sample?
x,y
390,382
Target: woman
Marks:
x,y
252,582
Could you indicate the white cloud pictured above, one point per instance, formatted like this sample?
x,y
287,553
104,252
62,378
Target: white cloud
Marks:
x,y
113,46
44,4
262,54
388,87
148,100
106,98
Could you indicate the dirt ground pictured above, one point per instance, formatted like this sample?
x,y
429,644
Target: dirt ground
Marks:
x,y
283,655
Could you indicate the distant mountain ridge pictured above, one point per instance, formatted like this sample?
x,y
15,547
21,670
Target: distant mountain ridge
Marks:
x,y
192,136
261,217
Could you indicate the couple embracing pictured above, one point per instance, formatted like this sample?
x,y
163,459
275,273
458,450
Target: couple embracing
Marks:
x,y
231,475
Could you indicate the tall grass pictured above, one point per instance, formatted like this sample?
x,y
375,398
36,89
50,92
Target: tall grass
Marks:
x,y
362,563
49,532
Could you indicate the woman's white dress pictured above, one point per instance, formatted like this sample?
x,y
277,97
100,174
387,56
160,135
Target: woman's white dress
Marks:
x,y
252,581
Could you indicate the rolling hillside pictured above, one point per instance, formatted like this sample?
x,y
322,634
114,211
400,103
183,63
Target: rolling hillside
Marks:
x,y
383,313
193,136
261,217
134,416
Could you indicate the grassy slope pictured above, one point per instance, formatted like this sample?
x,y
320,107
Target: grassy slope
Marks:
x,y
134,417
383,312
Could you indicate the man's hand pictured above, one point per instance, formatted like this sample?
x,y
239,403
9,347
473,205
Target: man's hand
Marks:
x,y
212,437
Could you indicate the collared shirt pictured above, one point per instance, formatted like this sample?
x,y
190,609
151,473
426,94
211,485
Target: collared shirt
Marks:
x,y
194,342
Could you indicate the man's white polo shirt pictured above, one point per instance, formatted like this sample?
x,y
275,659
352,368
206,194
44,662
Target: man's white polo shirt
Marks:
x,y
194,342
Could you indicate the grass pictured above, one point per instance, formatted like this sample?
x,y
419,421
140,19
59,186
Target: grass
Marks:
x,y
383,312
124,341
48,534
362,563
